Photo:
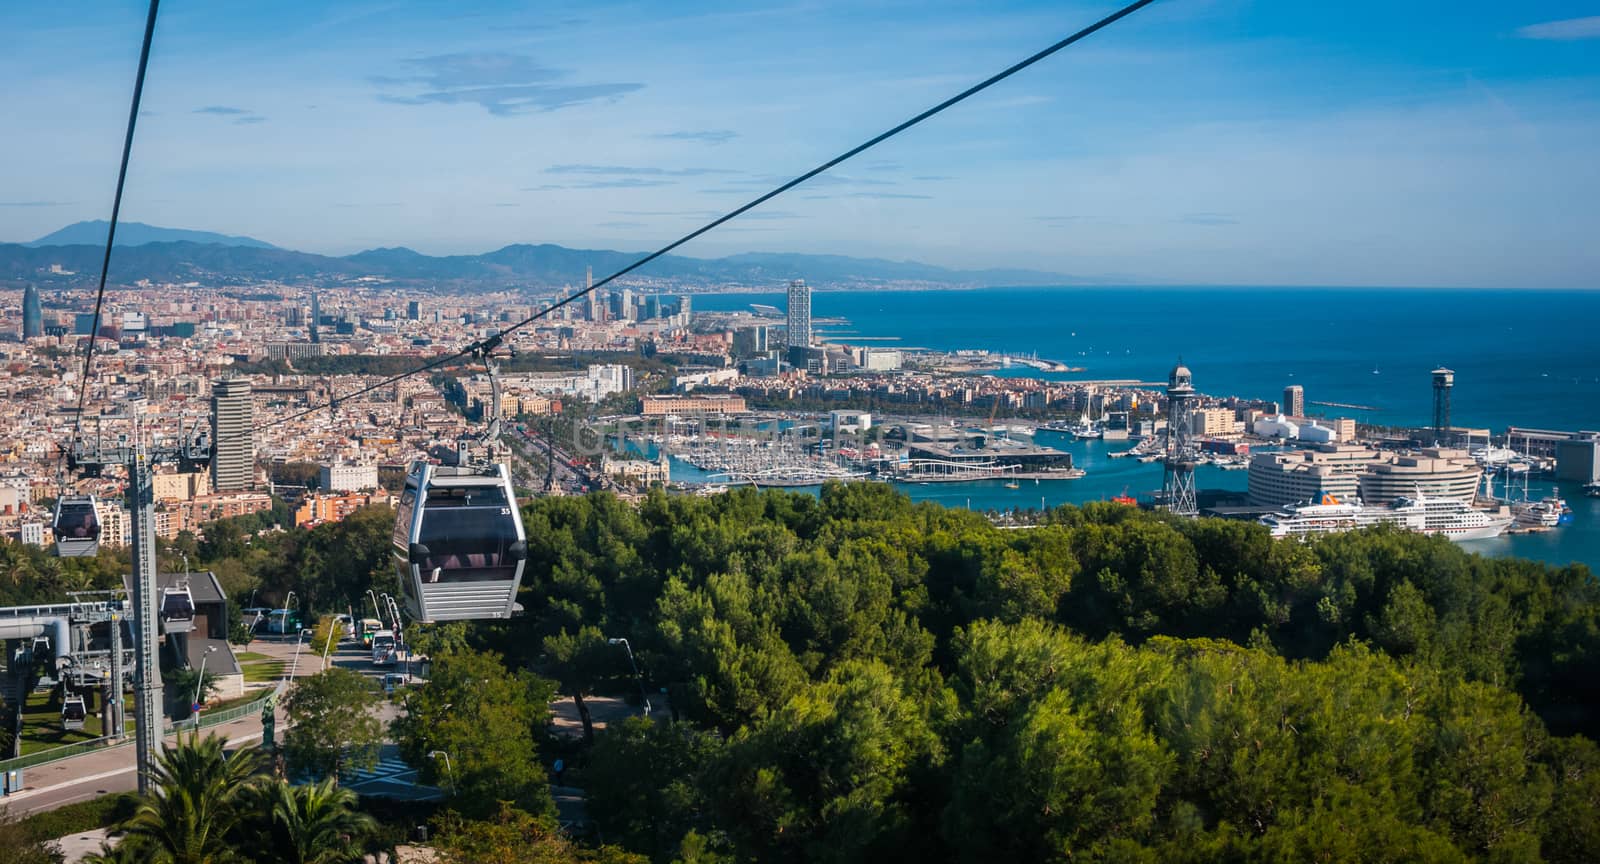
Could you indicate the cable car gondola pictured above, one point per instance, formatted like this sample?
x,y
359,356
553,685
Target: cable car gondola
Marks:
x,y
73,713
459,542
177,608
76,526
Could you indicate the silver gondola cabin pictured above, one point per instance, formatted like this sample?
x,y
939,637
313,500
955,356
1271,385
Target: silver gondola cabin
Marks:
x,y
76,526
459,543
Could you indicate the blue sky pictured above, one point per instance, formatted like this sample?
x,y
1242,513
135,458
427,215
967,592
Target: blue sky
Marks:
x,y
1201,141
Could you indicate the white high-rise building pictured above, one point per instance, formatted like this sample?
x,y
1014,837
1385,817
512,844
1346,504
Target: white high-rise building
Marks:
x,y
233,446
799,314
116,526
32,533
340,477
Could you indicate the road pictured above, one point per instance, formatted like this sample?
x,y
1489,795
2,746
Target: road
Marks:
x,y
112,770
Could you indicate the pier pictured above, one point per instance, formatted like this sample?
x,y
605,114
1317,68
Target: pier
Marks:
x,y
1347,405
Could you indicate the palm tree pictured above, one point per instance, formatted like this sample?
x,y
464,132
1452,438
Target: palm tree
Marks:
x,y
197,789
129,851
318,823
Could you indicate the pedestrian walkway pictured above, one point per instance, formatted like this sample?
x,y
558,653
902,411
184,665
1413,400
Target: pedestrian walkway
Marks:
x,y
103,772
387,767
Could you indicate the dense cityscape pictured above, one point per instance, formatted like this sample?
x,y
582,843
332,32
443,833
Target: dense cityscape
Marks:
x,y
1179,447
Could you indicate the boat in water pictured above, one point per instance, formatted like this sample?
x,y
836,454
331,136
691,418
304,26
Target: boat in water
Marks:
x,y
1592,489
1086,431
1549,512
1448,517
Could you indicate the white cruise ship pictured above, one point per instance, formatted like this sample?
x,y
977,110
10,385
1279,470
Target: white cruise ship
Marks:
x,y
1445,516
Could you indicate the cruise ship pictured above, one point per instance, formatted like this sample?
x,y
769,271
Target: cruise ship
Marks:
x,y
1448,517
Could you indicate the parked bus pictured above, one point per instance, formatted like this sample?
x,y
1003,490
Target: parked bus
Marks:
x,y
282,622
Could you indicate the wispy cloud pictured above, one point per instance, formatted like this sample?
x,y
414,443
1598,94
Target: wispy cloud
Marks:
x,y
620,224
239,116
622,183
1207,219
1567,30
880,195
633,171
503,84
932,177
37,203
609,183
507,204
686,214
818,182
702,136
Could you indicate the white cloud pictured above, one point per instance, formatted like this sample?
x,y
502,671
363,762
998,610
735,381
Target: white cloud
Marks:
x,y
1567,30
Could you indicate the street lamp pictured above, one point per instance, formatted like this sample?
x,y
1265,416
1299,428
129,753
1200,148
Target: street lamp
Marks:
x,y
643,698
288,604
333,629
299,641
200,680
449,771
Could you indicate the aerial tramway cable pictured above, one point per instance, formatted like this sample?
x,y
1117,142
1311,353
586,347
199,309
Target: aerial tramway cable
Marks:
x,y
116,210
483,346
74,523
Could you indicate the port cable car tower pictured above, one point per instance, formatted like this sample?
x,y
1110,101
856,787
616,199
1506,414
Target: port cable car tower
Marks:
x,y
1177,486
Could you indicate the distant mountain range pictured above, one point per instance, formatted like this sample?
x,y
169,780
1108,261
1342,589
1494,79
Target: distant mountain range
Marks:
x,y
93,233
176,255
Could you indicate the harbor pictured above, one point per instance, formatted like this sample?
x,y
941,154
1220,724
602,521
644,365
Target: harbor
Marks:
x,y
1109,474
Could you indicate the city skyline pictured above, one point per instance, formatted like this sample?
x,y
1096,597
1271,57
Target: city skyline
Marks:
x,y
1217,143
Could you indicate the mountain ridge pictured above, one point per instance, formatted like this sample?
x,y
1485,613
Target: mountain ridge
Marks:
x,y
93,231
235,259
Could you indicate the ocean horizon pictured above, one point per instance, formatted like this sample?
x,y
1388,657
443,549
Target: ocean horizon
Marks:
x,y
1524,357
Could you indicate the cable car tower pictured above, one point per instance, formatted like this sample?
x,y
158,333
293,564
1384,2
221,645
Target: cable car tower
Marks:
x,y
192,449
1177,487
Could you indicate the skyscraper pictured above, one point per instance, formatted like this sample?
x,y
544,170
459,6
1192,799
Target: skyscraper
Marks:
x,y
1294,400
316,318
32,314
799,314
233,446
413,311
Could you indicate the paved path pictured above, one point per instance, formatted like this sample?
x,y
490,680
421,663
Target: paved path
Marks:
x,y
112,769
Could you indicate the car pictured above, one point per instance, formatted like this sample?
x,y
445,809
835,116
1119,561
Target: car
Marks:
x,y
393,681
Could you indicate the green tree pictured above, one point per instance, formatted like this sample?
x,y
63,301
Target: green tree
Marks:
x,y
825,777
484,718
316,823
512,836
197,787
646,783
578,662
332,725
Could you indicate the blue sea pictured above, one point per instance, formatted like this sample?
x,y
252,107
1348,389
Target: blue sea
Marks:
x,y
1522,358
